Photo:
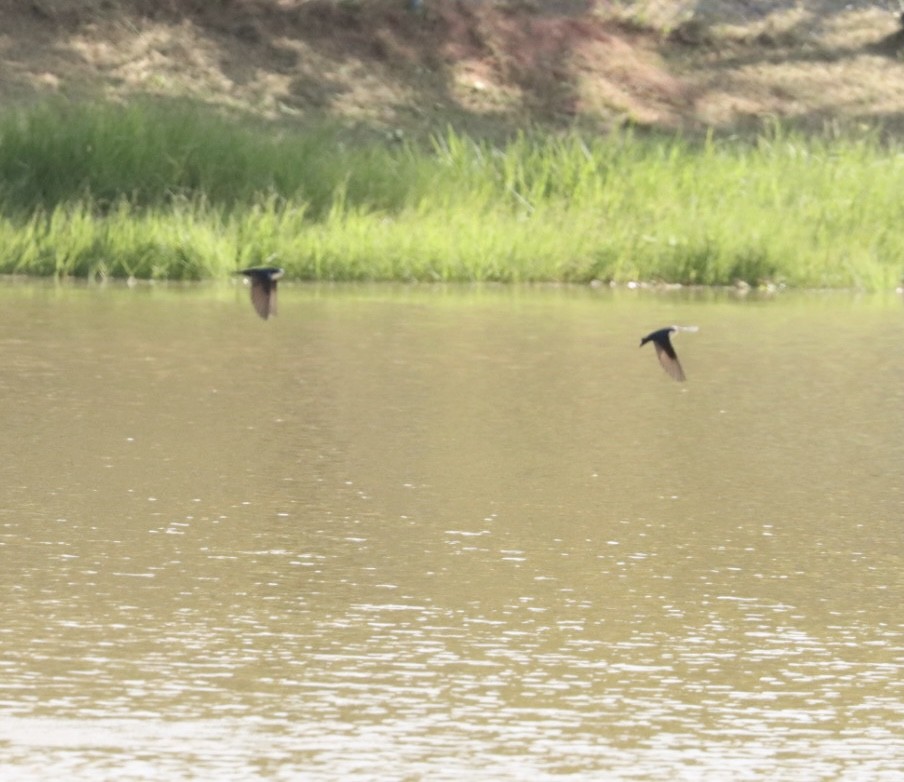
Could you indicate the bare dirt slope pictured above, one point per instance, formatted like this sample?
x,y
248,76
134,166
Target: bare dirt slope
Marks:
x,y
481,65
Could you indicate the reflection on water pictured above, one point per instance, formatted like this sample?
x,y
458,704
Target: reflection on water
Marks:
x,y
436,533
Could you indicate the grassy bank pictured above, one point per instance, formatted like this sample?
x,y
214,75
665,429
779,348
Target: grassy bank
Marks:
x,y
172,192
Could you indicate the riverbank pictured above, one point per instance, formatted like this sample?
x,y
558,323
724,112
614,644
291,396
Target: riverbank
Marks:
x,y
690,142
162,191
485,67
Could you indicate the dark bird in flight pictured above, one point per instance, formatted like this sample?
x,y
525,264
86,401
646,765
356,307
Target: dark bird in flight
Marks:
x,y
664,350
263,288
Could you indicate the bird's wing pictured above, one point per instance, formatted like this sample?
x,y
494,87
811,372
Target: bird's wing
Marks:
x,y
669,360
665,344
273,298
260,297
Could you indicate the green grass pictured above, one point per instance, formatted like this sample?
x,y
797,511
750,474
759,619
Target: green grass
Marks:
x,y
174,192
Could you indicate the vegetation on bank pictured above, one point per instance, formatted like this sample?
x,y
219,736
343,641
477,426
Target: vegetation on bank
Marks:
x,y
155,191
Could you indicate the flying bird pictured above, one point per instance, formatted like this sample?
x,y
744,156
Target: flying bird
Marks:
x,y
664,350
263,288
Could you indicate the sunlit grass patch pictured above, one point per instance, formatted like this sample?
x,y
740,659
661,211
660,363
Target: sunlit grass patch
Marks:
x,y
152,193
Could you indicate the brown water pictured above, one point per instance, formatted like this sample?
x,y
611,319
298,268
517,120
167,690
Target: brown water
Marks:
x,y
429,533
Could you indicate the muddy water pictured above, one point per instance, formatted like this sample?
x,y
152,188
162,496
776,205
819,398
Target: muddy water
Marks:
x,y
405,533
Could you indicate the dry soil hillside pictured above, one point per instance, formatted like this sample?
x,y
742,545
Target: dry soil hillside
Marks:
x,y
482,65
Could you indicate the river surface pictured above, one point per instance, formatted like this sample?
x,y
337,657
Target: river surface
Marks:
x,y
449,533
